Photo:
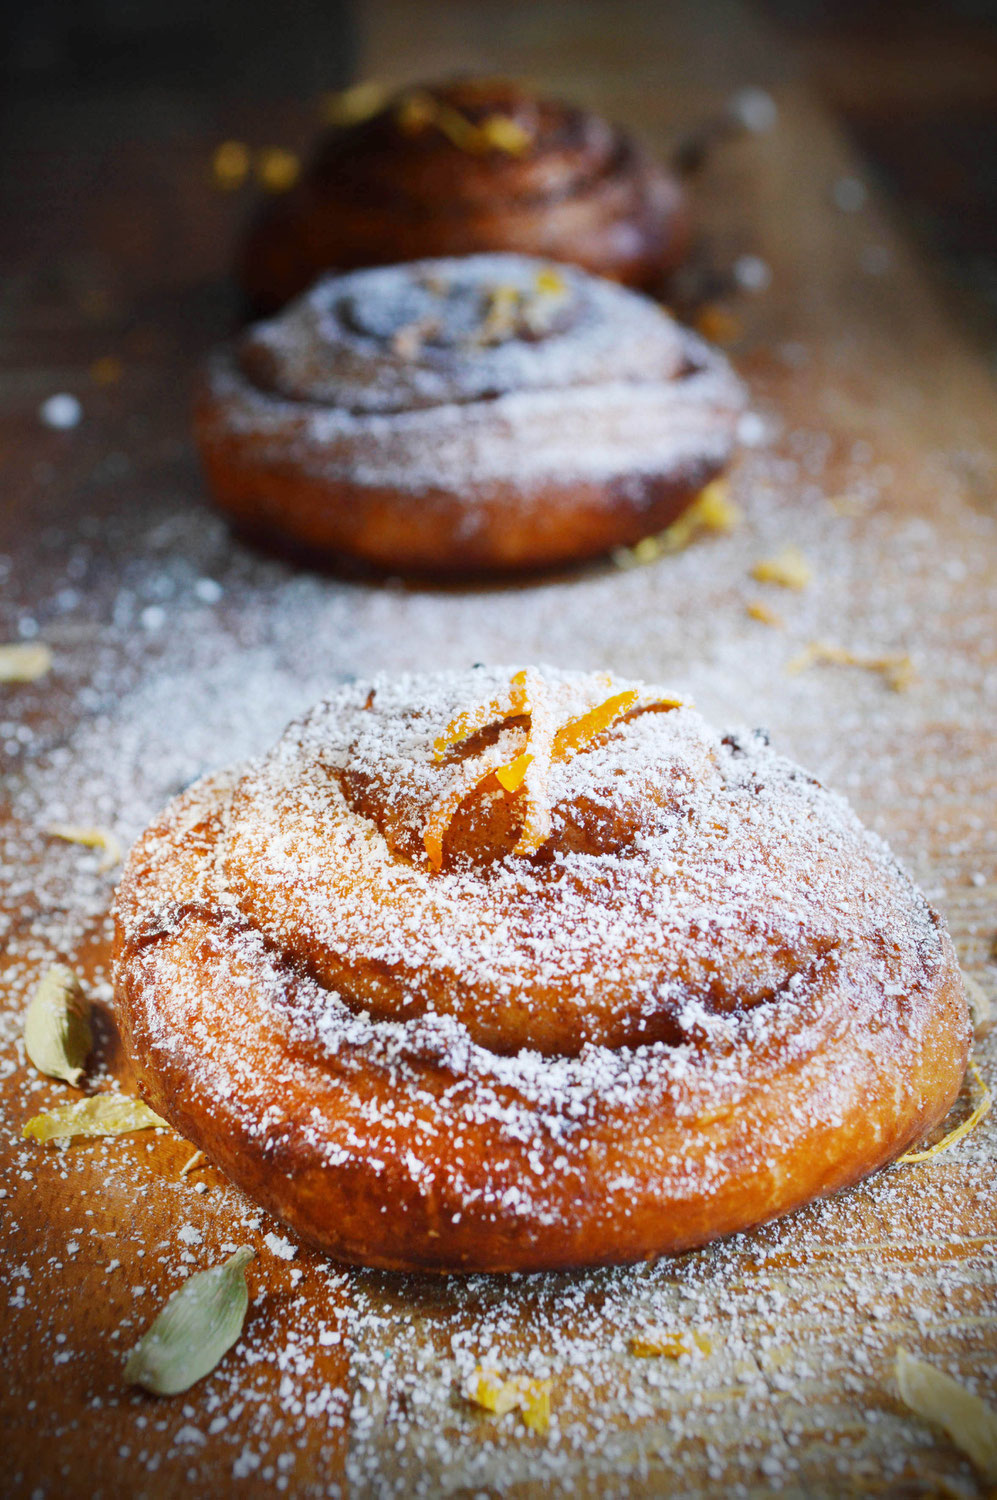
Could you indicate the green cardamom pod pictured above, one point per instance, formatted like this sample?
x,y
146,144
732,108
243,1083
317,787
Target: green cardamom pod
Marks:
x,y
101,1114
198,1324
57,1034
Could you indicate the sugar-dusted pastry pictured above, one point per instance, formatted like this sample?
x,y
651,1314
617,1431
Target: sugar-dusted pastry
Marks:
x,y
464,167
504,970
461,416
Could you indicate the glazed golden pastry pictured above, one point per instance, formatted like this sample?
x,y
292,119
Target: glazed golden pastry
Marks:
x,y
461,416
507,970
464,167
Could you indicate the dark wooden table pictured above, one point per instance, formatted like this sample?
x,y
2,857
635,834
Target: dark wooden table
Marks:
x,y
177,647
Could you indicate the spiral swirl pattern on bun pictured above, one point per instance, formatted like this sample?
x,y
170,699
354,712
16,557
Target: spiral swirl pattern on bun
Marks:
x,y
517,969
465,167
493,412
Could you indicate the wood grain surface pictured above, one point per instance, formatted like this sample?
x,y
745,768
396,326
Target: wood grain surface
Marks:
x,y
177,647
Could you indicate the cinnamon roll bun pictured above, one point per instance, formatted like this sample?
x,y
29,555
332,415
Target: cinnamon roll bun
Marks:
x,y
464,167
507,970
470,415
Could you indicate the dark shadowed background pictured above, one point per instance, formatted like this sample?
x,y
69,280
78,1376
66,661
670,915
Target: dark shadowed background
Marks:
x,y
913,81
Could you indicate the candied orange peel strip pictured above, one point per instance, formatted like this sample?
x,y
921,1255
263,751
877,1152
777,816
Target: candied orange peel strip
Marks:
x,y
551,736
577,734
471,775
512,775
495,711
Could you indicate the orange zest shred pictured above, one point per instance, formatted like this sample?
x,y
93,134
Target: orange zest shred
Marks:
x,y
969,1123
897,670
712,510
788,568
490,1391
550,738
418,111
672,1345
759,610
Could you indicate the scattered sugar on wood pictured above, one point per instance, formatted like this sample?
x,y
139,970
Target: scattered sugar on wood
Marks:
x,y
806,1309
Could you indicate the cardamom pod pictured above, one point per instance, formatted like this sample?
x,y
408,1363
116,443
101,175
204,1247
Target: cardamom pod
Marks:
x,y
969,1421
198,1324
57,1034
101,1114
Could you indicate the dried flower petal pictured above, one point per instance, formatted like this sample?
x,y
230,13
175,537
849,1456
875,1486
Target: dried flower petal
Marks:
x,y
197,1326
788,568
92,838
672,1345
24,661
521,1393
102,1114
969,1421
57,1034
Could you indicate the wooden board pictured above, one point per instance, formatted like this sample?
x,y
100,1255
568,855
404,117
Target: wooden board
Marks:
x,y
176,647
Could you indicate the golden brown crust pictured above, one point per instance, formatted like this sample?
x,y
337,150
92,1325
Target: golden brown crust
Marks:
x,y
465,416
599,1049
461,168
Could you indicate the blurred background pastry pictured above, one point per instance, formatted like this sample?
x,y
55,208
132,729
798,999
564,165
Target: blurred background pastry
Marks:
x,y
467,166
465,415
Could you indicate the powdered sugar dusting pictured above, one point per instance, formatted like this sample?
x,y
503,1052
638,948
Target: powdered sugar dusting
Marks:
x,y
707,949
178,651
341,342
